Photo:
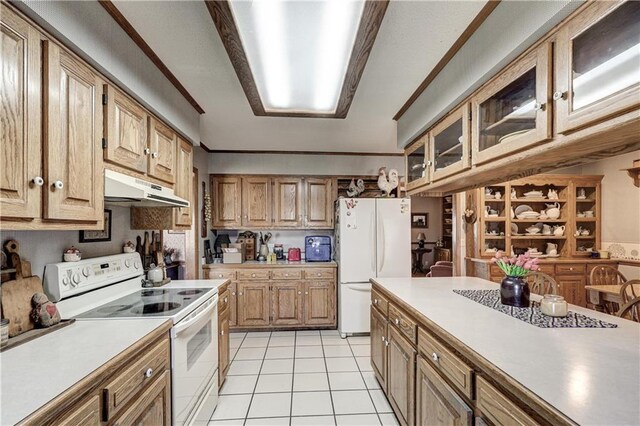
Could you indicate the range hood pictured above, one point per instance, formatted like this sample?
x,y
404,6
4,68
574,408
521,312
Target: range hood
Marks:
x,y
123,190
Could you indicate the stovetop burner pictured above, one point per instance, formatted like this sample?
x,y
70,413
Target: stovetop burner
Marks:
x,y
152,292
155,308
190,292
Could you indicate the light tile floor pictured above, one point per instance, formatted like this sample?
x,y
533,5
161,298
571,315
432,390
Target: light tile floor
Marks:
x,y
304,378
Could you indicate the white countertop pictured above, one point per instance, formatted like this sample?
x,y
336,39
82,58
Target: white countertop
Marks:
x,y
35,372
195,284
590,375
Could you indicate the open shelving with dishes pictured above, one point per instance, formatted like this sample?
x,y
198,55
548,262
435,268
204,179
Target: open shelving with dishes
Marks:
x,y
447,221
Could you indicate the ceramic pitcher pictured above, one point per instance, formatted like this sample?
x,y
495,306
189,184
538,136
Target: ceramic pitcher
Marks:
x,y
558,231
552,249
553,210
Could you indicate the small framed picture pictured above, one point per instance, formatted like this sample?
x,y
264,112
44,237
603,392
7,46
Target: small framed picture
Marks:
x,y
98,235
419,220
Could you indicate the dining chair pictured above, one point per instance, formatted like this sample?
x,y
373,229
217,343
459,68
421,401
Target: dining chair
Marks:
x,y
440,271
444,262
629,291
631,310
541,283
607,275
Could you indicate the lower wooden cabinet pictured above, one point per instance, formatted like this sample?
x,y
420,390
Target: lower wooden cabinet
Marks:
x,y
85,413
253,304
224,349
436,402
379,346
319,303
572,289
152,407
286,303
401,370
497,408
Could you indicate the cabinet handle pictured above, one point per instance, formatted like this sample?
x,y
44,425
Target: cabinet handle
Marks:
x,y
148,373
286,275
240,294
222,332
386,342
375,301
226,299
540,106
299,292
397,321
233,293
306,292
219,275
155,155
147,151
253,275
37,181
435,357
58,184
319,274
559,95
383,339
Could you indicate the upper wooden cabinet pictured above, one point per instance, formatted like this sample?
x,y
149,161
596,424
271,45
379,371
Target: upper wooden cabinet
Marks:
x,y
512,111
184,182
125,131
20,114
449,144
319,203
287,202
416,161
597,55
256,201
227,201
73,138
162,146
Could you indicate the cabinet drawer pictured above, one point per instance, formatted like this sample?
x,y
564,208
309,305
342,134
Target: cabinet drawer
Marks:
x,y
497,408
570,269
132,379
319,273
286,274
405,324
214,274
223,301
253,274
380,302
456,370
546,268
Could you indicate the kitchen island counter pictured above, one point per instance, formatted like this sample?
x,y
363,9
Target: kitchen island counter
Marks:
x,y
588,375
278,264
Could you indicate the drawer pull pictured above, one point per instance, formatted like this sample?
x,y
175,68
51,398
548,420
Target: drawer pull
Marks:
x,y
383,338
571,269
253,275
435,357
397,321
386,342
233,293
222,332
38,181
219,275
226,299
148,373
299,292
375,301
286,275
319,274
58,184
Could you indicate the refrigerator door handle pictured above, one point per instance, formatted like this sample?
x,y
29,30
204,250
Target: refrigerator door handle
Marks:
x,y
381,236
359,288
373,243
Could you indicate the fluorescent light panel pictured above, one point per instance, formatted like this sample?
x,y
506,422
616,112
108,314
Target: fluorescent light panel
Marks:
x,y
298,51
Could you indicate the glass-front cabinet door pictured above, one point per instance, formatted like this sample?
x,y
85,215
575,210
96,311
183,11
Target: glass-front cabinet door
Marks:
x,y
449,144
512,112
598,64
416,158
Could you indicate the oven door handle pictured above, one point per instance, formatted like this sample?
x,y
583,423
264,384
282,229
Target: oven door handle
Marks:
x,y
205,312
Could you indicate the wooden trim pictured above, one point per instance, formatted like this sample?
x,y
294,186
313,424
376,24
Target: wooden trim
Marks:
x,y
464,37
370,22
142,44
362,154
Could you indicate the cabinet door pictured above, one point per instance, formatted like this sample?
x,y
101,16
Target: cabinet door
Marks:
x,y
163,144
20,115
233,304
319,203
512,112
184,182
379,346
286,303
125,131
287,202
256,201
152,407
224,350
436,402
227,201
597,56
572,289
73,138
401,375
319,303
84,414
450,144
416,162
253,303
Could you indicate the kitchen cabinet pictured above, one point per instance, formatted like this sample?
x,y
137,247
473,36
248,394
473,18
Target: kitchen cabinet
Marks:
x,y
86,413
450,144
512,111
73,138
319,303
287,202
256,201
416,159
379,346
184,182
227,201
163,142
319,199
224,349
125,131
597,54
152,407
497,408
21,180
253,303
571,287
436,402
287,303
401,369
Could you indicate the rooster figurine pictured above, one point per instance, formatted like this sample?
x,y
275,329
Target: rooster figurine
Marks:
x,y
387,185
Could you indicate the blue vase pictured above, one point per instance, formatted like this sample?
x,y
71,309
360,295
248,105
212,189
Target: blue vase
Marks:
x,y
514,291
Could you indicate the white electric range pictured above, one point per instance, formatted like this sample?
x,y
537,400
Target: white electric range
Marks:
x,y
109,288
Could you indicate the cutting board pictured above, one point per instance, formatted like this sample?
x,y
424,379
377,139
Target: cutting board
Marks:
x,y
16,301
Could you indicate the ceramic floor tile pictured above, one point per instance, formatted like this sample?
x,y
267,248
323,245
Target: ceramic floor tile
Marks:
x,y
270,405
274,383
236,422
364,363
259,334
361,350
352,402
335,365
389,419
308,333
337,351
310,382
232,407
273,421
370,380
334,341
313,421
277,366
278,352
255,342
346,381
245,354
358,420
310,365
308,340
329,333
311,404
359,340
239,384
380,401
239,368
282,333
237,335
309,352
282,341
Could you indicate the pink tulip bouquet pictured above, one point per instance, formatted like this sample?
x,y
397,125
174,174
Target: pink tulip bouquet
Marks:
x,y
516,266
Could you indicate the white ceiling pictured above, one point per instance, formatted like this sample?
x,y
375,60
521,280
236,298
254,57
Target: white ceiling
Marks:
x,y
413,37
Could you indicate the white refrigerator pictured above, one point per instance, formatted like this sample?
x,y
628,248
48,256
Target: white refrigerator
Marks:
x,y
373,240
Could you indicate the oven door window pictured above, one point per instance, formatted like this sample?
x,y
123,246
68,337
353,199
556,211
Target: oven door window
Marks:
x,y
198,343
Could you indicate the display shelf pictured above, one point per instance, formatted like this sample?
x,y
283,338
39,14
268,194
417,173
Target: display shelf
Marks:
x,y
586,219
450,150
538,220
495,219
537,200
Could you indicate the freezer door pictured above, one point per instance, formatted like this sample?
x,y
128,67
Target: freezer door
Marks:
x,y
354,300
393,231
357,239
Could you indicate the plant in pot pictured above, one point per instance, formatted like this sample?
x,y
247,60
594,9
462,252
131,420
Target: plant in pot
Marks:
x,y
514,290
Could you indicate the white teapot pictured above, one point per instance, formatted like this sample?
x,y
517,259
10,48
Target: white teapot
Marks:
x,y
552,194
558,230
553,210
552,249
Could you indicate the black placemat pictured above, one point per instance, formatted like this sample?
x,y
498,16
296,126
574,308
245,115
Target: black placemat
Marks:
x,y
533,315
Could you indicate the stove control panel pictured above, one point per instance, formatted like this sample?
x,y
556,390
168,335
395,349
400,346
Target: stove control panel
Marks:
x,y
65,279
